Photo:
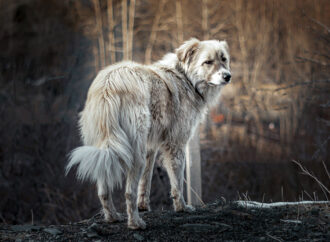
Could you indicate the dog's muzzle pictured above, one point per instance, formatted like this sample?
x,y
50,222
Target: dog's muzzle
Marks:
x,y
226,76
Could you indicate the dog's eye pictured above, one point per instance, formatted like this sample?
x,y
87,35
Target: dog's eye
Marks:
x,y
224,59
209,62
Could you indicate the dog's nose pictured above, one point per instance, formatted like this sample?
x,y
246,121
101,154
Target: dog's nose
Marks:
x,y
226,76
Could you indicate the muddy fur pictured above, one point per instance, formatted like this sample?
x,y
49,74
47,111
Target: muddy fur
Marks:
x,y
134,111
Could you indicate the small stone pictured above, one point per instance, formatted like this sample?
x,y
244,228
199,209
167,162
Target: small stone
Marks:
x,y
93,227
222,225
22,228
138,237
53,231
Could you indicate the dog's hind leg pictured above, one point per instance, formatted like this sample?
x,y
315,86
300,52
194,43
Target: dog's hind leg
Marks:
x,y
145,182
134,176
174,162
132,181
109,210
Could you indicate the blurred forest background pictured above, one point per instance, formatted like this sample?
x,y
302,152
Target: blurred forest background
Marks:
x,y
277,108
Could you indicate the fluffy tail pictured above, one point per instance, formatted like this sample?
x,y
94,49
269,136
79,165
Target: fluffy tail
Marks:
x,y
103,123
100,164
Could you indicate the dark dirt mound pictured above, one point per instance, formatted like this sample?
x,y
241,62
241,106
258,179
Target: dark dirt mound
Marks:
x,y
215,222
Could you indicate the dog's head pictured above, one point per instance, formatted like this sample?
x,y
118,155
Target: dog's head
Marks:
x,y
205,62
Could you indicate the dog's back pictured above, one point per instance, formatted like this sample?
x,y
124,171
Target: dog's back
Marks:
x,y
114,90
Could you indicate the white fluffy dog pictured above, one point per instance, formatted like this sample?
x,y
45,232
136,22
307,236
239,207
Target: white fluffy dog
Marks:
x,y
133,111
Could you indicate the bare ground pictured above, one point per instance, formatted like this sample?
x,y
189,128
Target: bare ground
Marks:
x,y
218,221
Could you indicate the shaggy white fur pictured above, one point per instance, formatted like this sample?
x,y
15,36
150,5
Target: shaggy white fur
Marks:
x,y
133,111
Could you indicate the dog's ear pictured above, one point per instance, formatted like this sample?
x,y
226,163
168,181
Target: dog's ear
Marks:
x,y
225,45
187,50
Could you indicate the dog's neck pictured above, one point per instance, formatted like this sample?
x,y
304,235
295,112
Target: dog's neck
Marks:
x,y
194,85
207,94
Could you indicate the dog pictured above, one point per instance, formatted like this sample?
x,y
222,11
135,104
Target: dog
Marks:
x,y
134,111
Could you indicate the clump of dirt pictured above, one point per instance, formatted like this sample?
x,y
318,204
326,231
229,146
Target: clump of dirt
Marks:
x,y
213,222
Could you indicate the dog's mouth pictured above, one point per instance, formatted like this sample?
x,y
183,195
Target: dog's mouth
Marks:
x,y
211,84
222,83
199,86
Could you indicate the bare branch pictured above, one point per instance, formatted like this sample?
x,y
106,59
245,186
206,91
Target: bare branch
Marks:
x,y
98,18
316,154
111,45
326,169
205,18
319,23
274,238
131,16
124,28
179,20
312,60
196,194
307,173
153,33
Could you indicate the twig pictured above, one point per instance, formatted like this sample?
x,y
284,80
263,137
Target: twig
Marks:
x,y
246,196
310,197
306,172
326,169
315,155
312,60
319,23
273,237
198,197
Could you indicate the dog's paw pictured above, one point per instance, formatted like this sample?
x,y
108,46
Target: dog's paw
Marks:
x,y
184,208
189,208
143,203
136,223
143,207
114,217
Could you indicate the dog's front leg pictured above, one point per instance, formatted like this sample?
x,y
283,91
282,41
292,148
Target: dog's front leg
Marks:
x,y
174,162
